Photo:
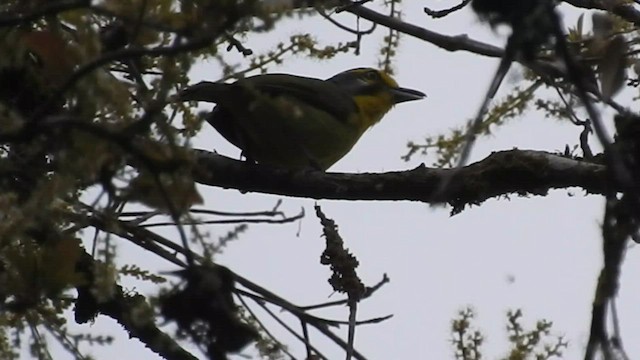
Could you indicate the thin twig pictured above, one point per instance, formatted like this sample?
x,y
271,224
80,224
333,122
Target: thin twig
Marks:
x,y
357,31
351,334
288,328
279,301
307,342
281,347
43,9
474,127
368,292
235,221
442,13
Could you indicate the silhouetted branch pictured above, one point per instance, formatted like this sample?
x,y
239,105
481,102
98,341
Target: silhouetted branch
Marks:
x,y
622,9
230,221
130,310
156,244
524,172
13,17
445,12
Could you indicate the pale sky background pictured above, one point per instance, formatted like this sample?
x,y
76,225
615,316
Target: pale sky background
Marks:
x,y
539,254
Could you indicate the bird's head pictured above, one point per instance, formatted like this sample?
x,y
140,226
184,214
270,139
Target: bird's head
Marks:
x,y
373,91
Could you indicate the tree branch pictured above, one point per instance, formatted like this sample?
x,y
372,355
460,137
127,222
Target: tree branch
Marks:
x,y
623,9
130,310
442,13
14,17
523,172
449,43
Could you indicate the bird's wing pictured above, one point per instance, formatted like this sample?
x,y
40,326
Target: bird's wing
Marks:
x,y
315,92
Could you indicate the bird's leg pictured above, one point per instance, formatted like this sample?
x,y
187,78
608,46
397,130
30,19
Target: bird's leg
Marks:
x,y
313,164
245,147
247,156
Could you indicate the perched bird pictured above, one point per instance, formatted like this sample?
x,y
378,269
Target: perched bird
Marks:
x,y
299,122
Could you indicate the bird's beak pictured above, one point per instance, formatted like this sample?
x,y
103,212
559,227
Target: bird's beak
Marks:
x,y
404,94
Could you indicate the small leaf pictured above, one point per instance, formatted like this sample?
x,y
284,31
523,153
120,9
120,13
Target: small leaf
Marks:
x,y
612,67
602,24
636,66
579,25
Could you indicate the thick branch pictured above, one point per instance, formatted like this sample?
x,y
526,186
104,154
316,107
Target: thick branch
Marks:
x,y
524,172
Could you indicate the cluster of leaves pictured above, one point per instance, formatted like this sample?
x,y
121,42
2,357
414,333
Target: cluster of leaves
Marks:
x,y
391,41
88,128
537,343
300,44
448,146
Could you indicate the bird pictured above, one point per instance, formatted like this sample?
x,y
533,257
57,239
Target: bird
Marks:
x,y
297,122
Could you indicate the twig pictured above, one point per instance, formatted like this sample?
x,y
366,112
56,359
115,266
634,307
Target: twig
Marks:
x,y
208,212
617,335
450,43
584,140
147,240
351,335
350,6
474,127
445,12
235,221
279,301
283,220
586,124
44,9
281,347
289,329
368,292
305,334
621,9
357,32
235,43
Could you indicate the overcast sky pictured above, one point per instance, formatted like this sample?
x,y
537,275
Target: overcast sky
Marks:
x,y
539,254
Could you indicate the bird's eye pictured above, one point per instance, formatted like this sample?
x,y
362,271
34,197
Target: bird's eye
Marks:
x,y
371,75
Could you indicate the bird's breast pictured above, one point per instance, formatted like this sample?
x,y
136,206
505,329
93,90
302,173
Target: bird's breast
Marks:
x,y
372,109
